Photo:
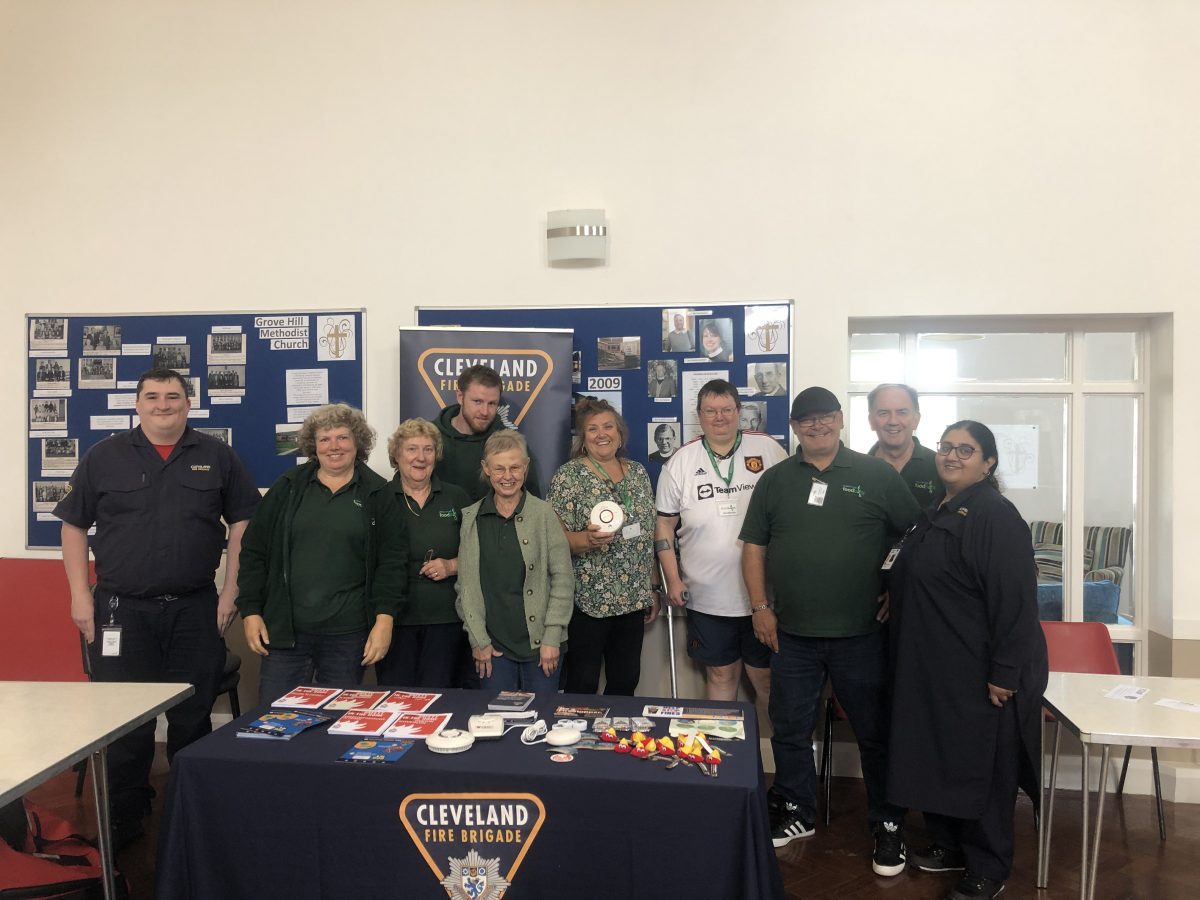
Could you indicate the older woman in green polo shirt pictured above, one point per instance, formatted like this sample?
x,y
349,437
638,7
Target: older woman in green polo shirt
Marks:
x,y
323,561
515,582
428,633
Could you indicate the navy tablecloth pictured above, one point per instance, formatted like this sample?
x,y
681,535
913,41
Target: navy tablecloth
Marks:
x,y
255,818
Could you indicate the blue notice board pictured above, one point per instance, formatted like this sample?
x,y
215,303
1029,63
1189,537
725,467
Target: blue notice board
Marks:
x,y
635,357
252,377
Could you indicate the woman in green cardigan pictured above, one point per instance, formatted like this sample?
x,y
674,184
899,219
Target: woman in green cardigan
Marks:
x,y
515,582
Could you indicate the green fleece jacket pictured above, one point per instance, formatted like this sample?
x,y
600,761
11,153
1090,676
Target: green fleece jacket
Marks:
x,y
549,576
264,564
462,457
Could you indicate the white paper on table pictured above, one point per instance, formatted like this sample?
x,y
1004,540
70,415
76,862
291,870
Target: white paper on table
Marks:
x,y
1181,705
1127,692
307,387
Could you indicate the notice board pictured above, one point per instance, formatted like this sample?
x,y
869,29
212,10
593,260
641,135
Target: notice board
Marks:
x,y
649,361
252,378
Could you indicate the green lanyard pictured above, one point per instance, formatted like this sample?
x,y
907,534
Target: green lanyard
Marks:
x,y
732,453
618,489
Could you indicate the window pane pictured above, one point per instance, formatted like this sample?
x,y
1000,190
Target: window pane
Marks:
x,y
1031,467
876,358
1110,356
945,357
1109,501
1126,652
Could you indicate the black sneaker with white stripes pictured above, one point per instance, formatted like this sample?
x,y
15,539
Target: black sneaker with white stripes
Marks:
x,y
787,826
889,856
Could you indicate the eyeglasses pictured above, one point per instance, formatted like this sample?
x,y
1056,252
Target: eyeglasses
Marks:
x,y
814,421
962,451
712,413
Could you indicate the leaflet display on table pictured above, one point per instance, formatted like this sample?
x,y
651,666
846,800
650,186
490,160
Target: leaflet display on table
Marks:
x,y
364,722
417,725
307,697
408,702
281,726
511,701
356,699
375,752
690,712
718,729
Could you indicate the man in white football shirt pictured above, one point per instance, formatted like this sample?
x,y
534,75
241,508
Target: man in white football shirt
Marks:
x,y
703,492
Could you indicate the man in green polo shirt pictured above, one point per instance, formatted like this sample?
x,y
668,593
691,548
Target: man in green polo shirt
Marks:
x,y
818,529
894,411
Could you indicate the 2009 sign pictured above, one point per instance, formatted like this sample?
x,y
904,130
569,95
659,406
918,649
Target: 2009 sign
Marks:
x,y
605,383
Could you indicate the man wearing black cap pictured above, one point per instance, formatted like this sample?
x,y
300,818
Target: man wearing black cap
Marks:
x,y
818,529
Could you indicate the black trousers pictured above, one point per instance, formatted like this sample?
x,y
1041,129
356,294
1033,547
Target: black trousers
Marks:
x,y
422,656
987,842
161,640
614,642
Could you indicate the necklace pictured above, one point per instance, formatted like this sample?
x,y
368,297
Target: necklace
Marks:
x,y
408,502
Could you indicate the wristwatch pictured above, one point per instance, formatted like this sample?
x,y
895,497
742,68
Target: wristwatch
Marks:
x,y
760,608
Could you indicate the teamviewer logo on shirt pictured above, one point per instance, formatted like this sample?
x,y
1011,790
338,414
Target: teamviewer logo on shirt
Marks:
x,y
704,491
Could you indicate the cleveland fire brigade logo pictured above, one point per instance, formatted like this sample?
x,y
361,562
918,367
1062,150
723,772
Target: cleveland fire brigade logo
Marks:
x,y
481,839
523,374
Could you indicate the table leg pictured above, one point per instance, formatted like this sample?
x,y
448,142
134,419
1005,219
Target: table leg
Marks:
x,y
1083,866
1101,790
103,825
1046,815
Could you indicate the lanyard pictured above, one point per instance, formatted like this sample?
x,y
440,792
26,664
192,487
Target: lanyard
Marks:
x,y
618,489
732,453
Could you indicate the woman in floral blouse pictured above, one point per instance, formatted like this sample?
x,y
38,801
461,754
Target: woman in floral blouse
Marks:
x,y
616,579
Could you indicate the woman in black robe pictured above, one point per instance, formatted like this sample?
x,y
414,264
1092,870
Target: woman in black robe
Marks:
x,y
969,661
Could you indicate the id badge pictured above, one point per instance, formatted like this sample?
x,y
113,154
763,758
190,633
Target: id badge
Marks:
x,y
890,559
816,497
727,508
629,532
110,640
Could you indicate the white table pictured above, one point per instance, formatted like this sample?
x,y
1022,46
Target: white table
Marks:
x,y
1079,703
51,725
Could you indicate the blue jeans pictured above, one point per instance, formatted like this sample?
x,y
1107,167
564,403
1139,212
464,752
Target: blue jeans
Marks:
x,y
857,668
328,659
509,675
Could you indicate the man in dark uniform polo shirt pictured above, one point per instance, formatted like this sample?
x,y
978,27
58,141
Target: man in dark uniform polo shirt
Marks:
x,y
894,411
466,426
818,529
157,495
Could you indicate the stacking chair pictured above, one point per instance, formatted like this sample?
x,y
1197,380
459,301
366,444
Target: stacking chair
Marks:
x,y
1087,647
230,678
833,712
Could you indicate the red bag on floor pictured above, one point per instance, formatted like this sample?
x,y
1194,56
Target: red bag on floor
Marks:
x,y
51,861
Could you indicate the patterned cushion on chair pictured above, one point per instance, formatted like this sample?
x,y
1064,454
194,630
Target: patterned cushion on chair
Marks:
x,y
1048,558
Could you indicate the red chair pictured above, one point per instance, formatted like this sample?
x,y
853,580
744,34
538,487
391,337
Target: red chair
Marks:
x,y
1087,647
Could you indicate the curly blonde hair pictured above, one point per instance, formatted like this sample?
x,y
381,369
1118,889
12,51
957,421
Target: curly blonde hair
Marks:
x,y
337,415
409,429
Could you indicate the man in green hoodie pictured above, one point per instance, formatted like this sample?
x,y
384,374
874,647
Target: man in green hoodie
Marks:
x,y
466,426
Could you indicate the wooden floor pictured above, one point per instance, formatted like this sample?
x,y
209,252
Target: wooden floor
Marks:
x,y
836,862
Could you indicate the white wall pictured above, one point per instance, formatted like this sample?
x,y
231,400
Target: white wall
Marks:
x,y
932,157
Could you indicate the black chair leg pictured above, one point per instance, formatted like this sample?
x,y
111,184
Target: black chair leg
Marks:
x,y
80,775
235,705
1124,770
1162,822
827,758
